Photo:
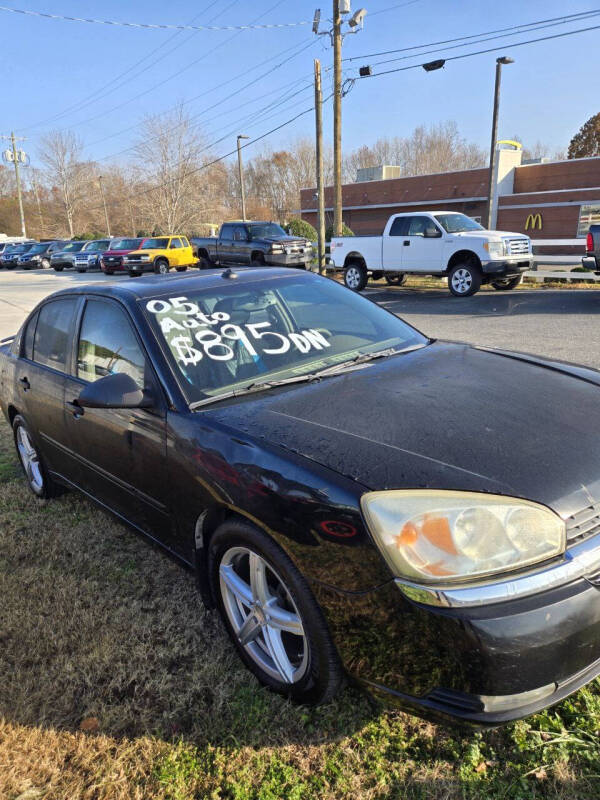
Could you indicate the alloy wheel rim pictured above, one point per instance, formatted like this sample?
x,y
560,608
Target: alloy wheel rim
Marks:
x,y
353,277
30,460
263,615
162,268
462,281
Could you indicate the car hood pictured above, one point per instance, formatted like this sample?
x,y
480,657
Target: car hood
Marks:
x,y
283,239
489,234
117,252
447,416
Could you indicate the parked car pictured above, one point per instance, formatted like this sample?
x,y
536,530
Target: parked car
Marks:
x,y
440,243
112,259
88,258
65,258
160,254
353,495
591,260
7,241
10,257
258,243
39,255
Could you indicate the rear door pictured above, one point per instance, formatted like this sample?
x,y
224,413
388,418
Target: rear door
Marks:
x,y
421,253
393,245
176,252
120,453
40,378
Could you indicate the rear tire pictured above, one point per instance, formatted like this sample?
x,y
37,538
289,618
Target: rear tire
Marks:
x,y
258,260
464,279
396,279
266,601
507,284
181,269
31,462
355,276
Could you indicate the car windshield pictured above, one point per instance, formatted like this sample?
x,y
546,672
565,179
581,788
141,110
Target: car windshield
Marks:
x,y
94,247
73,247
18,248
265,230
125,244
38,248
155,244
237,334
455,223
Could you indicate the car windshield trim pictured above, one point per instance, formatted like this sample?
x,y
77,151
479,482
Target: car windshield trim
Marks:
x,y
309,377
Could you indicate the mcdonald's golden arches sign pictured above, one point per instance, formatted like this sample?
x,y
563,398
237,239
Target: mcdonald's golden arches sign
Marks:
x,y
533,221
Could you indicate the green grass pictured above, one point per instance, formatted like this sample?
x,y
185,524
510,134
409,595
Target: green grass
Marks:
x,y
99,628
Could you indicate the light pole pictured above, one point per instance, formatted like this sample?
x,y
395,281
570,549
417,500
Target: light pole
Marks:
x,y
104,204
241,172
491,182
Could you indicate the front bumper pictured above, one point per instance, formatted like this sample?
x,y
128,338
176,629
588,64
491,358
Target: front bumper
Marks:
x,y
289,259
61,262
514,653
113,264
137,266
507,268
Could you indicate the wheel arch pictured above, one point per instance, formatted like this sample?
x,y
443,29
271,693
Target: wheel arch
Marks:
x,y
462,256
12,412
354,257
258,255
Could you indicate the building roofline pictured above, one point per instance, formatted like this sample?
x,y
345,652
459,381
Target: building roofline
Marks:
x,y
405,177
559,161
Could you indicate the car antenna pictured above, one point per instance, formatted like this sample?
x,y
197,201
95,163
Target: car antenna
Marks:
x,y
229,274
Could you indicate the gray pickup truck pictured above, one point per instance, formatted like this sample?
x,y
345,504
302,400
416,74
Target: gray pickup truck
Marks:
x,y
591,259
260,244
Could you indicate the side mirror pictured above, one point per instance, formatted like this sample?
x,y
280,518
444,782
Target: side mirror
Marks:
x,y
114,391
432,233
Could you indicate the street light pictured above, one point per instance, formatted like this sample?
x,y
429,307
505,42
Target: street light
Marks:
x,y
491,182
241,171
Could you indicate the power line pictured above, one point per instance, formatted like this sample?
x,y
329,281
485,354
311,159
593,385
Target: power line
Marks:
x,y
479,41
566,17
99,93
488,50
393,8
160,26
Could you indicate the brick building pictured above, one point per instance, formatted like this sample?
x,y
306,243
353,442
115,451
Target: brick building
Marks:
x,y
553,201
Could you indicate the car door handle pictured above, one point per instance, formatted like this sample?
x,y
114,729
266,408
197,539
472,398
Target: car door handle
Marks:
x,y
406,243
25,384
74,408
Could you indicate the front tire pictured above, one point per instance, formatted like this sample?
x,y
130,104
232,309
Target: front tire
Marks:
x,y
355,276
58,269
258,260
271,615
45,263
161,266
464,279
507,283
31,462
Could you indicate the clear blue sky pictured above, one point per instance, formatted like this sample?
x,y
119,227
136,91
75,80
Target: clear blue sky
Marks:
x,y
48,67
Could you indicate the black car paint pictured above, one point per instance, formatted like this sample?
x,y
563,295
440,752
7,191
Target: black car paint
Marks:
x,y
296,461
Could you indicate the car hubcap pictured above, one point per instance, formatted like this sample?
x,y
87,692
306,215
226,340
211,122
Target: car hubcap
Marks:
x,y
352,278
29,459
263,615
162,269
462,281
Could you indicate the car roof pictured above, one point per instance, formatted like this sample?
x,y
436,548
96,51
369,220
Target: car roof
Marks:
x,y
156,285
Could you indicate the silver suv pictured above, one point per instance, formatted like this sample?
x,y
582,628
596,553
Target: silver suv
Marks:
x,y
65,258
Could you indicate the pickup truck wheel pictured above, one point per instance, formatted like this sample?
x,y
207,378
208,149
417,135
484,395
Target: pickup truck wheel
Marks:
x,y
161,266
258,260
355,276
396,279
507,283
464,279
204,263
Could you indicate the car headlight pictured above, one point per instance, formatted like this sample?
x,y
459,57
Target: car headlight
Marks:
x,y
277,248
495,249
34,258
434,536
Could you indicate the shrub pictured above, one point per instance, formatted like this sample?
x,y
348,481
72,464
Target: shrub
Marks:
x,y
299,227
345,231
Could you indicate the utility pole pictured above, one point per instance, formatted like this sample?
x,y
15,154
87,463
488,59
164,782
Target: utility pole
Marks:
x,y
491,182
104,204
16,155
320,186
337,119
241,172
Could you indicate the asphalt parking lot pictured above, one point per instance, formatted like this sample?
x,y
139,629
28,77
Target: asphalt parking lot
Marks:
x,y
555,323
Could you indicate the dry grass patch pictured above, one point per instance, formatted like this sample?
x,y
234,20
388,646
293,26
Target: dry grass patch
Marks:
x,y
117,684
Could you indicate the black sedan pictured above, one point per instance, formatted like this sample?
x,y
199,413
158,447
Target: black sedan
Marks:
x,y
356,499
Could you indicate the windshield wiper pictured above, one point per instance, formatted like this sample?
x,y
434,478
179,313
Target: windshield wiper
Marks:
x,y
262,386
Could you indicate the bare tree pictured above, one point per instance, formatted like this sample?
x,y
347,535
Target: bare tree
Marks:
x,y
60,152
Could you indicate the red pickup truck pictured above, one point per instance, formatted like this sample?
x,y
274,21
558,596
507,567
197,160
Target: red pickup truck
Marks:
x,y
112,260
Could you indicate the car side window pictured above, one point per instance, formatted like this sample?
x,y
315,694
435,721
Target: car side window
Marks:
x,y
175,243
399,226
239,235
185,242
227,232
418,225
29,336
108,345
52,333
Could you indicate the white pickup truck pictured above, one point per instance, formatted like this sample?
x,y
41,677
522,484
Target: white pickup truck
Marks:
x,y
441,243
